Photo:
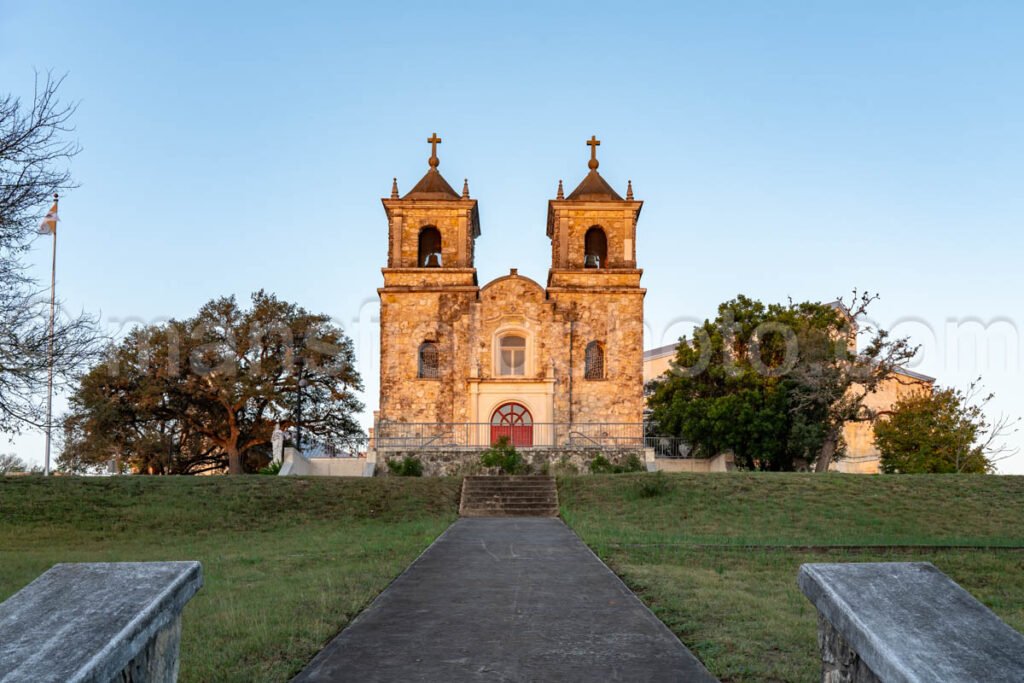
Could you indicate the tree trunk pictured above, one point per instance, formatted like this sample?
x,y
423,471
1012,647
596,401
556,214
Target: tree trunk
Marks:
x,y
827,452
234,461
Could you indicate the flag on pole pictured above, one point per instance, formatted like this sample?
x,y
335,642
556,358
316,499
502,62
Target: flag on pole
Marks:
x,y
48,226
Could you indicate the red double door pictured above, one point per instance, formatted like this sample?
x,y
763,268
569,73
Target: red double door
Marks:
x,y
514,421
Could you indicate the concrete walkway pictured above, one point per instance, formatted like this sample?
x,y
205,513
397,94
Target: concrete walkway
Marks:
x,y
506,599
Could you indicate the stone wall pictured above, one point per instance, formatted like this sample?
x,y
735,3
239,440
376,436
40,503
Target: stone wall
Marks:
x,y
840,663
456,220
467,324
570,220
613,316
410,316
457,463
445,306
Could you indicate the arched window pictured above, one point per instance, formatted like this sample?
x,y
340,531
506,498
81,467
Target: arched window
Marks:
x,y
595,248
512,355
594,361
430,248
429,361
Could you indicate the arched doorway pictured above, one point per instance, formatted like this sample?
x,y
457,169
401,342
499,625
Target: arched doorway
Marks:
x,y
514,421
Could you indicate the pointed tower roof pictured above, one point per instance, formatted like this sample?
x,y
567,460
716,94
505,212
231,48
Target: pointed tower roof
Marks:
x,y
432,185
594,187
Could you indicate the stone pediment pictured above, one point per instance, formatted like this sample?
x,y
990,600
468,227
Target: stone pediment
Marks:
x,y
513,284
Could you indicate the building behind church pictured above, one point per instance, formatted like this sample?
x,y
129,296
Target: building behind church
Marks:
x,y
553,365
861,455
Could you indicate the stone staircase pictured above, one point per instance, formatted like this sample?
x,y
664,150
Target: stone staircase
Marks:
x,y
502,496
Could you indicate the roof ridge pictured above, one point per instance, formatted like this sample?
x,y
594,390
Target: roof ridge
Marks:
x,y
594,186
432,186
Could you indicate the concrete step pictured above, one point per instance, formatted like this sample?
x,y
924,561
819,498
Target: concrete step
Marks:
x,y
510,507
509,500
509,492
507,496
509,477
473,481
513,481
475,495
507,487
509,513
547,500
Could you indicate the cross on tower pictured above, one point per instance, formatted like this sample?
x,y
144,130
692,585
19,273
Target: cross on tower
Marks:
x,y
593,142
434,140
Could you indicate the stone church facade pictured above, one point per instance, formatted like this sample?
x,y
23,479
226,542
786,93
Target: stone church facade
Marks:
x,y
512,357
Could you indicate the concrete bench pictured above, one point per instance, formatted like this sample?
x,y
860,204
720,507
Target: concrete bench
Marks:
x,y
906,622
97,622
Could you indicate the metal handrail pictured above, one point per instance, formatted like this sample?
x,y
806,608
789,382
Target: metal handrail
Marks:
x,y
393,435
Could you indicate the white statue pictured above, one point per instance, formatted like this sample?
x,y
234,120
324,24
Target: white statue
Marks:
x,y
277,442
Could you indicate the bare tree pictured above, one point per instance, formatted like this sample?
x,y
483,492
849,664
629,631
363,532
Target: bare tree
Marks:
x,y
35,151
835,385
10,463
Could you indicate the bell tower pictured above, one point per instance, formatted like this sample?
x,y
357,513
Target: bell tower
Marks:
x,y
432,226
595,285
429,286
593,228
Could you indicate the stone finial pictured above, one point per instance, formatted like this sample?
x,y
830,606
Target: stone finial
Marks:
x,y
561,192
513,271
593,142
465,188
434,140
394,188
629,190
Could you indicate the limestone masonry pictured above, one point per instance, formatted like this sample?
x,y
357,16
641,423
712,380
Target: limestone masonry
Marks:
x,y
511,354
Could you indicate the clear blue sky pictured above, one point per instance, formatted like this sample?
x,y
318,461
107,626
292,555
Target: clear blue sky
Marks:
x,y
782,149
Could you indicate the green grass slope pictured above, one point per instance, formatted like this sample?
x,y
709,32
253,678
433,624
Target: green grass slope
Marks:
x,y
287,562
717,556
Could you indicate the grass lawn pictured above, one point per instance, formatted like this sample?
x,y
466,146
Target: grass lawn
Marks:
x,y
287,562
706,557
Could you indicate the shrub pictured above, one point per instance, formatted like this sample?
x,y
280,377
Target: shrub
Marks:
x,y
409,466
505,457
601,465
633,464
273,468
653,486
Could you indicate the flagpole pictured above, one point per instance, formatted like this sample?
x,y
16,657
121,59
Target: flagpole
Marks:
x,y
49,382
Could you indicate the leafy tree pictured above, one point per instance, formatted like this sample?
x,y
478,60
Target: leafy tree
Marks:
x,y
944,431
774,383
34,153
204,393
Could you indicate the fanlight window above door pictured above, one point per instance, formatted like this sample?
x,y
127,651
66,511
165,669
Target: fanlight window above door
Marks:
x,y
512,356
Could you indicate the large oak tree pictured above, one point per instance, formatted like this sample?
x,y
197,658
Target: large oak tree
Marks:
x,y
203,394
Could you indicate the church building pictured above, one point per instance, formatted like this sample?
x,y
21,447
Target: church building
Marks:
x,y
512,357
